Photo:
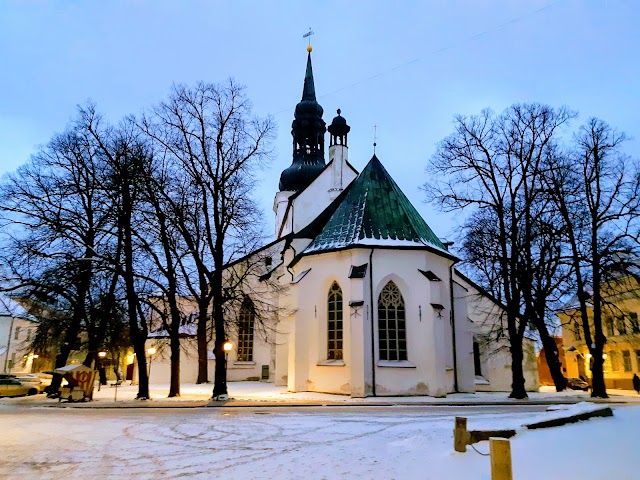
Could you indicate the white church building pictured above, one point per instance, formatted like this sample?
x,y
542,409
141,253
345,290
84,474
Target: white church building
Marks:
x,y
369,301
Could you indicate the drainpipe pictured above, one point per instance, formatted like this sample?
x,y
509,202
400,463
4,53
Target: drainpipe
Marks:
x,y
453,330
373,344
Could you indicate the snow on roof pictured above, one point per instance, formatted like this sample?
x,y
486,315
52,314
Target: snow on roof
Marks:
x,y
11,308
188,328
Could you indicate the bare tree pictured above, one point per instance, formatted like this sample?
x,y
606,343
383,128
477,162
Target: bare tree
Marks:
x,y
596,189
493,164
210,133
55,218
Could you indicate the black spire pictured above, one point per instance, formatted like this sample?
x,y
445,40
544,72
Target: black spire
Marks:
x,y
307,130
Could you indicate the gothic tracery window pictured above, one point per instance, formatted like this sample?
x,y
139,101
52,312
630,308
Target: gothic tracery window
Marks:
x,y
334,323
392,334
245,331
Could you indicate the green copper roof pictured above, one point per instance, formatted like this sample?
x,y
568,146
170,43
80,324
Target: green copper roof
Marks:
x,y
372,211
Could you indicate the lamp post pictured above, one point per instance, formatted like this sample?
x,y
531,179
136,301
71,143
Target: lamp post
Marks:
x,y
100,368
150,351
226,346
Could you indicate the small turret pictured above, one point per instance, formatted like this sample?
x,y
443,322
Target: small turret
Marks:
x,y
338,130
338,153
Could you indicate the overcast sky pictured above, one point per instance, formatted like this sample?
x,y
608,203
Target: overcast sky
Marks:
x,y
407,67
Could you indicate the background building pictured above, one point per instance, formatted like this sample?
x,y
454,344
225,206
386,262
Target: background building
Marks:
x,y
17,328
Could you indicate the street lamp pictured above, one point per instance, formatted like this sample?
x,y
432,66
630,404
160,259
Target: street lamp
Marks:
x,y
226,348
103,376
150,351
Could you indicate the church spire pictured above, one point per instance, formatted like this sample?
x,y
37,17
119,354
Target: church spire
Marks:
x,y
308,131
309,89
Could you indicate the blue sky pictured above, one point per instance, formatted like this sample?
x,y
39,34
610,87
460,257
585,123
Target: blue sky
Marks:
x,y
407,67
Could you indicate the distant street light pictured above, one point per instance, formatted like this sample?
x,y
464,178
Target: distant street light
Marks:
x,y
150,351
102,354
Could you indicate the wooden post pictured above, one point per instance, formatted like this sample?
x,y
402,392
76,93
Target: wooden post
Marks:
x,y
460,435
500,449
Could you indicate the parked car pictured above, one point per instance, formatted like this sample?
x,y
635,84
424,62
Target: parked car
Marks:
x,y
577,384
12,387
32,380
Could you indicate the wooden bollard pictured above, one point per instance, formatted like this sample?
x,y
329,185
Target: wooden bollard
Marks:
x,y
460,435
500,449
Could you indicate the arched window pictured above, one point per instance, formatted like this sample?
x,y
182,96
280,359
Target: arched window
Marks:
x,y
334,323
392,333
245,331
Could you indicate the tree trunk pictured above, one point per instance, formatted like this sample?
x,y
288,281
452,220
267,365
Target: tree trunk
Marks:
x,y
552,358
203,370
220,377
518,390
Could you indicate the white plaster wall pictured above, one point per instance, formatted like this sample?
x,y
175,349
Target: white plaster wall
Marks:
x,y
428,342
314,199
160,364
310,345
496,363
427,348
280,204
464,340
10,347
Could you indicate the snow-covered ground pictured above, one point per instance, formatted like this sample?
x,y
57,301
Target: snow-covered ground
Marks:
x,y
410,442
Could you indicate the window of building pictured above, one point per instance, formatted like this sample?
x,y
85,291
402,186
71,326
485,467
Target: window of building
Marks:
x,y
626,361
638,360
633,320
246,322
392,324
16,333
477,365
614,358
622,326
577,334
608,325
334,323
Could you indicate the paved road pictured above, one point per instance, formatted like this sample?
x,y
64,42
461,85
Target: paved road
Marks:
x,y
250,442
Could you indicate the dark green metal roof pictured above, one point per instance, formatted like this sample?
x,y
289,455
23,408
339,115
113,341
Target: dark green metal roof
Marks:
x,y
372,211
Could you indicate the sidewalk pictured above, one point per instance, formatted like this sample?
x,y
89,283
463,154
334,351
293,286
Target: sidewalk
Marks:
x,y
258,394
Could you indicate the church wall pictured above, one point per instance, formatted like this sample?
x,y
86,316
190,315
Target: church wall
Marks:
x,y
465,331
313,371
159,364
486,318
429,368
424,373
317,196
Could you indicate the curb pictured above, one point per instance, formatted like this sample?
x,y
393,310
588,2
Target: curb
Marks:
x,y
556,422
132,404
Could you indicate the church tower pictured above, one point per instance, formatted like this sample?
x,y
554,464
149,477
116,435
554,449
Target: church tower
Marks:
x,y
308,131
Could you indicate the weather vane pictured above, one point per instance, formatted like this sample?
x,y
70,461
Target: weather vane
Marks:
x,y
308,35
375,137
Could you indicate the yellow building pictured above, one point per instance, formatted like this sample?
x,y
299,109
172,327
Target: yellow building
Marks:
x,y
621,327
